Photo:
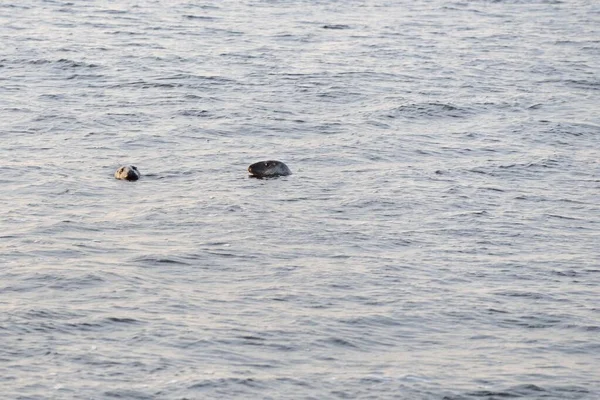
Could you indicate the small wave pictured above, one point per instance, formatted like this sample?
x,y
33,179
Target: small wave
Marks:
x,y
114,12
159,260
585,328
199,17
63,63
517,391
195,113
69,283
372,321
66,63
436,110
583,84
49,314
524,1
95,326
531,167
225,382
532,322
87,76
527,391
129,33
572,129
563,217
14,6
124,320
339,342
569,273
530,295
127,394
495,310
146,85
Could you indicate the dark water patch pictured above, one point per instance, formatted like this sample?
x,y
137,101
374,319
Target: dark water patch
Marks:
x,y
593,328
22,7
66,63
127,394
199,17
226,382
542,163
564,217
62,63
583,328
195,6
123,320
240,56
59,322
220,31
340,96
492,189
518,391
251,338
84,77
585,84
37,61
35,314
75,327
336,26
294,382
113,12
146,85
566,273
195,113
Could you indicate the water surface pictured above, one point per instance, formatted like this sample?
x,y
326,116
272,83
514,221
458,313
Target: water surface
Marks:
x,y
439,238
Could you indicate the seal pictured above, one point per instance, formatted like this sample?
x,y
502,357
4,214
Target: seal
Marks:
x,y
128,173
268,169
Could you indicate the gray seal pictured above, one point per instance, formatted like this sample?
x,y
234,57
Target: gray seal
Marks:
x,y
268,169
128,173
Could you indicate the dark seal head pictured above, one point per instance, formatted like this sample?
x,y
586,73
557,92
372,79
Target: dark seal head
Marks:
x,y
128,173
269,169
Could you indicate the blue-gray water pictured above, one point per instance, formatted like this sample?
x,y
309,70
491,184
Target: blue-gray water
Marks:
x,y
439,238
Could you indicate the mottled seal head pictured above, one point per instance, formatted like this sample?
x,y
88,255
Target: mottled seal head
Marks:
x,y
128,173
268,169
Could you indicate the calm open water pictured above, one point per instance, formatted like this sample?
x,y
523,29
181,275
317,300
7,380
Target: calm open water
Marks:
x,y
439,238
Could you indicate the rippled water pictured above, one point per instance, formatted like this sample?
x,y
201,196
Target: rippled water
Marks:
x,y
439,238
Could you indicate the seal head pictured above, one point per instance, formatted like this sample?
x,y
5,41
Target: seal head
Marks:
x,y
269,169
128,173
